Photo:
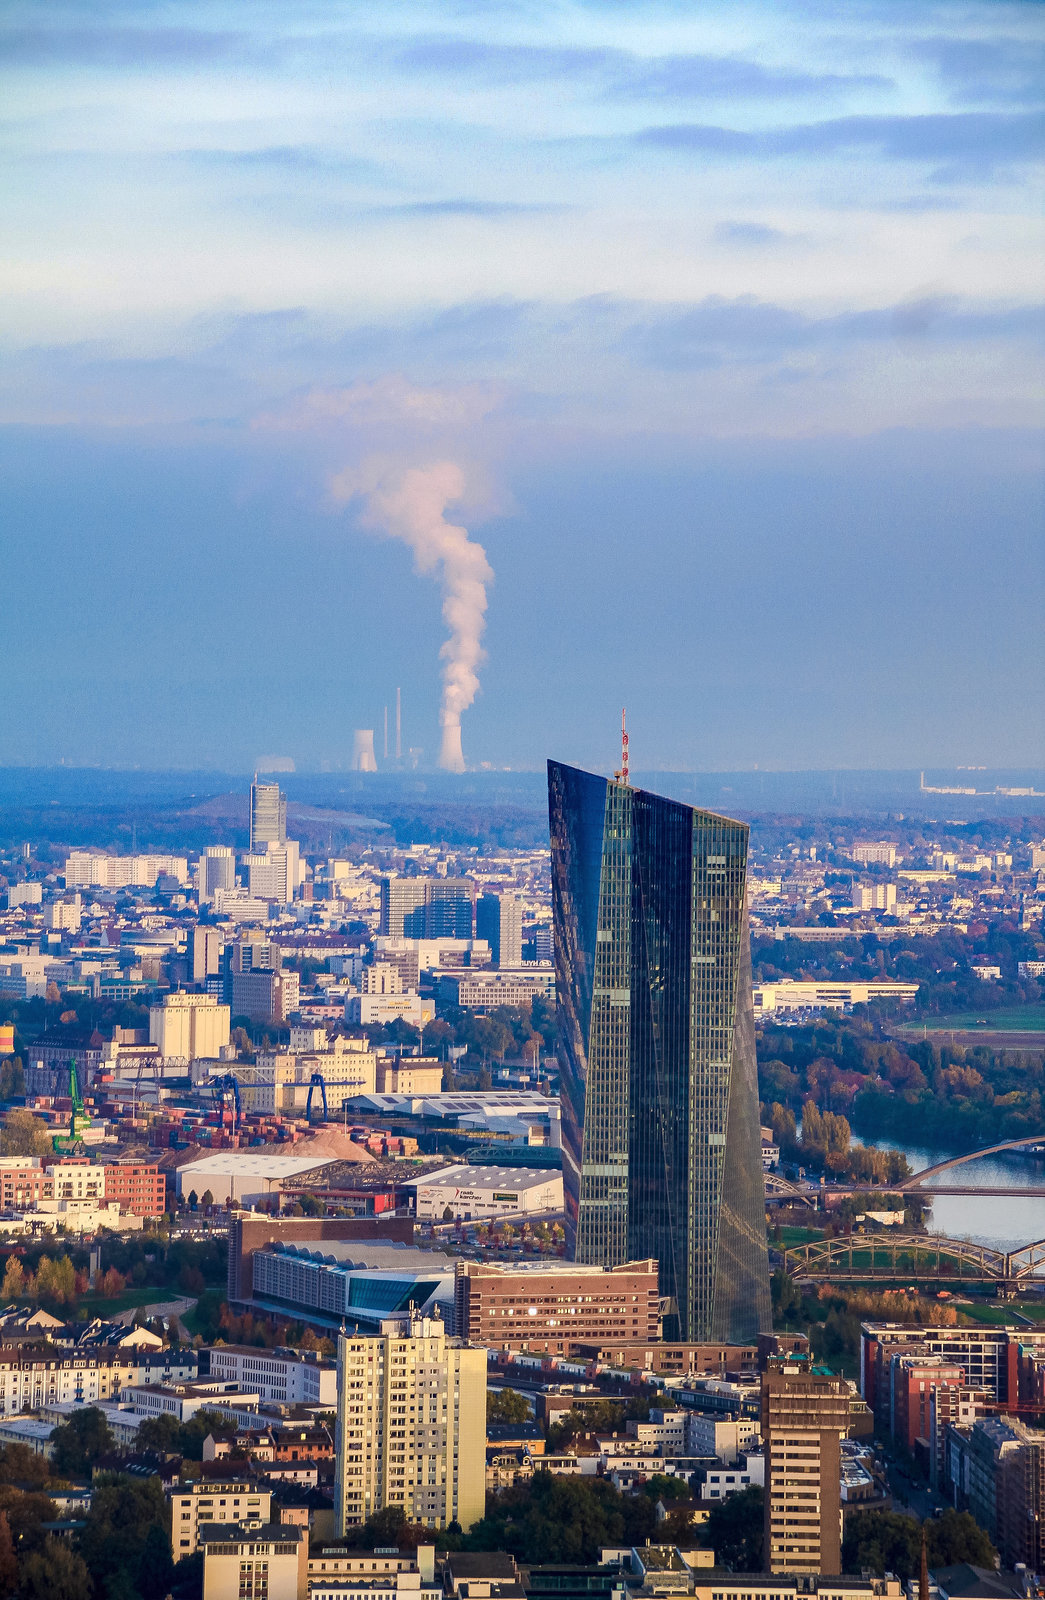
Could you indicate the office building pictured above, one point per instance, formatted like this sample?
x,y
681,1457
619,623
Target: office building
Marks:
x,y
248,1561
279,1376
188,1027
203,954
411,1426
485,991
998,1361
427,908
499,920
805,1417
550,1310
470,1193
215,870
264,995
661,1141
794,994
268,815
195,1505
881,854
248,1234
274,873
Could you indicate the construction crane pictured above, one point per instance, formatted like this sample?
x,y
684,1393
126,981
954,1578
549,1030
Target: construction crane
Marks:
x,y
78,1119
316,1081
229,1084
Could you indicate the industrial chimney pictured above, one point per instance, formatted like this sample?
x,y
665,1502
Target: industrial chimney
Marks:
x,y
363,757
451,756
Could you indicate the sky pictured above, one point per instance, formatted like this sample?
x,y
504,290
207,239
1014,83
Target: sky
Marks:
x,y
716,328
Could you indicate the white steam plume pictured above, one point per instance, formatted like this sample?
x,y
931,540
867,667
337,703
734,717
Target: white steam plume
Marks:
x,y
410,504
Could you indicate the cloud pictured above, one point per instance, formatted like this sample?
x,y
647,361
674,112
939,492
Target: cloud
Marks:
x,y
754,234
730,78
980,140
102,45
1009,71
388,400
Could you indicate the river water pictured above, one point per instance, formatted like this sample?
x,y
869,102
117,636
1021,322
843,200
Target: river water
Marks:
x,y
1004,1221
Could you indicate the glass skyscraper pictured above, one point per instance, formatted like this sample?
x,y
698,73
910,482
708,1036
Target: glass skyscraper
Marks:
x,y
661,1144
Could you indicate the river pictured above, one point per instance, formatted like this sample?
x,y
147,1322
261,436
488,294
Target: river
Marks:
x,y
1004,1221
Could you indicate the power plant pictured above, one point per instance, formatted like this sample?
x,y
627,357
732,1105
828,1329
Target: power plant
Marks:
x,y
451,755
363,757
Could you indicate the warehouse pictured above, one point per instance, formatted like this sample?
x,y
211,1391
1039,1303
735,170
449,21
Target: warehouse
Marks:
x,y
468,1194
245,1176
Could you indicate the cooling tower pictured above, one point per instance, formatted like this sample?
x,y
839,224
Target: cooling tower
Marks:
x,y
451,756
363,757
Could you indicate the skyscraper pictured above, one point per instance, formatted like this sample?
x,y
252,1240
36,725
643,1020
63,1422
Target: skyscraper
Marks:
x,y
427,908
268,815
499,920
661,1144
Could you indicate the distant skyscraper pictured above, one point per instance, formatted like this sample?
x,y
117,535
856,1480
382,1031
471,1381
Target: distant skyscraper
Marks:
x,y
498,919
661,1143
268,815
216,870
427,908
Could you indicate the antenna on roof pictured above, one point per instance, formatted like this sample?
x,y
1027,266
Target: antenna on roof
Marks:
x,y
621,775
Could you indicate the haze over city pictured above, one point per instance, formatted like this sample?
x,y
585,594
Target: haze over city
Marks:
x,y
713,330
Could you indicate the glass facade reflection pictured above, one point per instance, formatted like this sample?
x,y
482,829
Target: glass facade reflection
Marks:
x,y
661,1145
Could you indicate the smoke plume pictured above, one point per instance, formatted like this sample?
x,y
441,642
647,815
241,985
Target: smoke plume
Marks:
x,y
410,504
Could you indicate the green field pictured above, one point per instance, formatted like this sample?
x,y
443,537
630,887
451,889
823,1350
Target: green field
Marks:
x,y
1011,1019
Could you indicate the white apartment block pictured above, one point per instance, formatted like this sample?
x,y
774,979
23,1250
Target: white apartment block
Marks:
x,y
881,854
709,1435
63,915
665,1431
30,1380
197,1504
874,897
291,1380
88,869
216,870
189,1026
411,1425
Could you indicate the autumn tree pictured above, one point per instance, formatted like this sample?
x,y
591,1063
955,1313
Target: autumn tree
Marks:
x,y
24,1135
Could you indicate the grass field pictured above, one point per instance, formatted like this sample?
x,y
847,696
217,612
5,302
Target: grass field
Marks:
x,y
1011,1019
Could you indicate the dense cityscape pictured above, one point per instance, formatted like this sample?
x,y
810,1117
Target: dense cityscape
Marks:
x,y
476,1219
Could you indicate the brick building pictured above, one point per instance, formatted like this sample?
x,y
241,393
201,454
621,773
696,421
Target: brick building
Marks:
x,y
551,1310
139,1187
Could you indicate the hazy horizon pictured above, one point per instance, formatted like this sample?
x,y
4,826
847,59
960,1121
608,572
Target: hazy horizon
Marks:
x,y
682,359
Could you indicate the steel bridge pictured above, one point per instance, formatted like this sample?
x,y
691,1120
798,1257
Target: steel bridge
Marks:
x,y
916,1256
778,1188
919,1178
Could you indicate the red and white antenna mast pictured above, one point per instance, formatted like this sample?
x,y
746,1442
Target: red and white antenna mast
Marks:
x,y
622,775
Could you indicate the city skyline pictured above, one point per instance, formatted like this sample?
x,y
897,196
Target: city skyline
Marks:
x,y
709,338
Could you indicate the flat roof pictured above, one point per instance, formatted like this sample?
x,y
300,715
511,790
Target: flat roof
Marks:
x,y
255,1164
486,1178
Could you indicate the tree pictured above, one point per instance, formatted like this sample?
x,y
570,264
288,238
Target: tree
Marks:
x,y
665,1486
206,1199
889,1541
8,1560
118,1543
734,1531
80,1442
12,1078
26,1511
24,1135
20,1464
56,1282
507,1405
55,1573
161,1434
14,1279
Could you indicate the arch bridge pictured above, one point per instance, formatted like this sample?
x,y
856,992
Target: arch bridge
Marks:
x,y
917,1256
919,1178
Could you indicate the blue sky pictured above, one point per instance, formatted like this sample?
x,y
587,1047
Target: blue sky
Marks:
x,y
730,315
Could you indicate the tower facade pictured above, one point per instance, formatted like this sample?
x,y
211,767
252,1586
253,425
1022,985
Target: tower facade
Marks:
x,y
268,815
661,1143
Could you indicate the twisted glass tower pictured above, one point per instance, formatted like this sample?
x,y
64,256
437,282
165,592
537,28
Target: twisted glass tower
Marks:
x,y
661,1145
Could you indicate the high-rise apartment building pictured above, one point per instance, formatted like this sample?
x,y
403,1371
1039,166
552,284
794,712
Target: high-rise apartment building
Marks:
x,y
215,870
268,815
661,1141
411,1425
498,920
427,908
805,1417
